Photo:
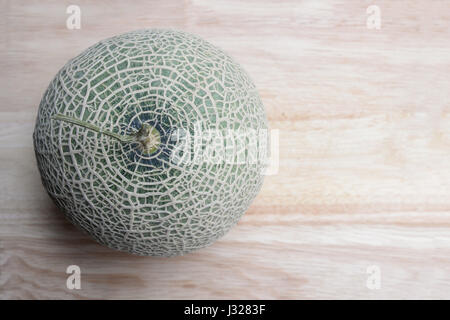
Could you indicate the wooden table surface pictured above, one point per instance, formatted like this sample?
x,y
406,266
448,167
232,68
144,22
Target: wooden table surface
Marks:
x,y
364,174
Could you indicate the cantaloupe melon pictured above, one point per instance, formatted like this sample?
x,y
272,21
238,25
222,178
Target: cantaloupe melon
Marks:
x,y
105,139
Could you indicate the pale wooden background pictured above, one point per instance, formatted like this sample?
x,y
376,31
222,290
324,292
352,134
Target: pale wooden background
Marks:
x,y
364,175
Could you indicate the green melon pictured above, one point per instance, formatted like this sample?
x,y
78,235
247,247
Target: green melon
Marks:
x,y
108,135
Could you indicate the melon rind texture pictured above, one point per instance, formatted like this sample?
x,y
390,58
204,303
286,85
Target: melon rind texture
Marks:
x,y
129,200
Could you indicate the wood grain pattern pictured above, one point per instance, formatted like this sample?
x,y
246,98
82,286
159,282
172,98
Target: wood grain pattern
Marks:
x,y
364,177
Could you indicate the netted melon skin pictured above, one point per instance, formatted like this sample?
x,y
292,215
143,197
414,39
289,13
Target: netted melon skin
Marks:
x,y
125,199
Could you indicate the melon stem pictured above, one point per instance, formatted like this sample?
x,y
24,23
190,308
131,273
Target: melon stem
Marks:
x,y
121,138
147,137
